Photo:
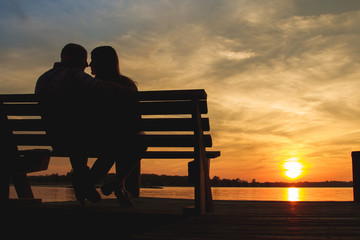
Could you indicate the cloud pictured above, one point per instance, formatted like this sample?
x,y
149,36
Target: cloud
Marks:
x,y
270,85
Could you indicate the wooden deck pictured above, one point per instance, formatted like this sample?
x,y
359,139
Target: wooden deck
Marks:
x,y
153,218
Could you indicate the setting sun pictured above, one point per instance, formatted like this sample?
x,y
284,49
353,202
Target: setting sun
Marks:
x,y
293,168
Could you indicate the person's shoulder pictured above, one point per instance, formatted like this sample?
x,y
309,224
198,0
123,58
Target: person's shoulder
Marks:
x,y
44,80
45,75
50,71
128,82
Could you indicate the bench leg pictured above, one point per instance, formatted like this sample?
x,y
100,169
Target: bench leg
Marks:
x,y
22,185
4,187
199,176
208,195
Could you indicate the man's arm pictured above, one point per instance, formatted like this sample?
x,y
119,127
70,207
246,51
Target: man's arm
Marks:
x,y
102,88
107,88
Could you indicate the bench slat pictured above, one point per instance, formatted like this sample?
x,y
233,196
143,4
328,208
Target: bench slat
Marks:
x,y
172,95
158,154
32,109
143,95
26,125
153,124
171,124
18,98
174,140
146,108
176,107
150,140
177,155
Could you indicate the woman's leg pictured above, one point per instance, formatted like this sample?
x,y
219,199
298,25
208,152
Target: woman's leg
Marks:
x,y
81,179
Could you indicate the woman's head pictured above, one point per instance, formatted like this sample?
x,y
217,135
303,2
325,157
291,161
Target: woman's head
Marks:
x,y
104,62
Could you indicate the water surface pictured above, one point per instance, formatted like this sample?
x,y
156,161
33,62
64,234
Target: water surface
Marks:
x,y
59,193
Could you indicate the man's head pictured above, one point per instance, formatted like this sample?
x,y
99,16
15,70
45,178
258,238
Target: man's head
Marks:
x,y
74,55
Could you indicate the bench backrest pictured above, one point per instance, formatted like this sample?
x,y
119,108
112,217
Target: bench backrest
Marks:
x,y
169,119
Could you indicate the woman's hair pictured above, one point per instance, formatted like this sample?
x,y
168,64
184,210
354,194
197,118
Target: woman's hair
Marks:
x,y
107,66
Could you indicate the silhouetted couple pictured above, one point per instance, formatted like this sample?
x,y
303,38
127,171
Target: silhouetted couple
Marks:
x,y
92,116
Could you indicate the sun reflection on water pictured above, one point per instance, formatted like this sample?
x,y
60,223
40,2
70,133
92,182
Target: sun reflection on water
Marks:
x,y
292,194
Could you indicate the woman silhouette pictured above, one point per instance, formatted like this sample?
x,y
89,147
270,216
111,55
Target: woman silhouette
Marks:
x,y
121,118
105,66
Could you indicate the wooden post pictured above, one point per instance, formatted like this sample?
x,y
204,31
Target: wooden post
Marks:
x,y
356,175
9,156
4,186
6,154
203,196
208,194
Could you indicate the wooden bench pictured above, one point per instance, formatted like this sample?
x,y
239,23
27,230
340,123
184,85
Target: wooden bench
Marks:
x,y
172,122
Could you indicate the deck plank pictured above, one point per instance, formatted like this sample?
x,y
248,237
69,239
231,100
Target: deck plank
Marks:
x,y
156,218
268,220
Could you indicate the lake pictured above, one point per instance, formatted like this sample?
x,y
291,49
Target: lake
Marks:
x,y
59,193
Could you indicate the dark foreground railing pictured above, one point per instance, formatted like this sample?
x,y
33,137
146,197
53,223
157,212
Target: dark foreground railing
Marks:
x,y
356,175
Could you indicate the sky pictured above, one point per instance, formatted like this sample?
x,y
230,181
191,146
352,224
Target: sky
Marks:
x,y
282,76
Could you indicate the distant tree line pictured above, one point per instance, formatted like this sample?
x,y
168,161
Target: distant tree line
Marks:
x,y
218,182
150,180
53,179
